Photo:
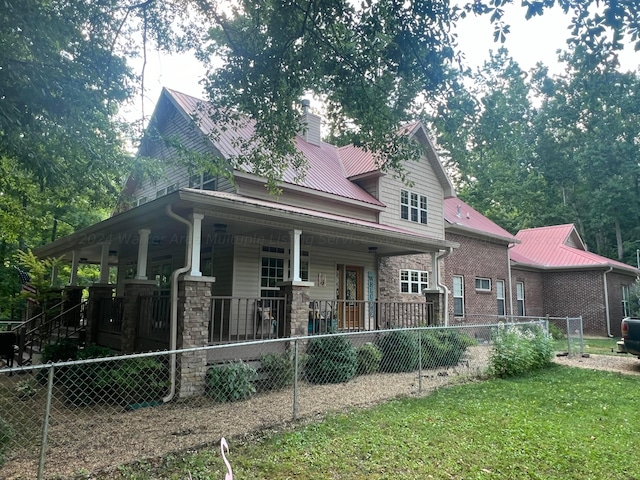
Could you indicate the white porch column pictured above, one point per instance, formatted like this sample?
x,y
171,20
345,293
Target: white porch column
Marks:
x,y
75,261
196,244
295,255
143,253
104,264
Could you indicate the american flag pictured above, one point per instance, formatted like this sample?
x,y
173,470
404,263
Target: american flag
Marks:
x,y
25,279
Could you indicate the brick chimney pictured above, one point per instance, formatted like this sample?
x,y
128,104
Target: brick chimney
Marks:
x,y
310,124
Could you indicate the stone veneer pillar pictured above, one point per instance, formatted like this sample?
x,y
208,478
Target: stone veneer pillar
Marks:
x,y
194,306
97,291
133,290
297,307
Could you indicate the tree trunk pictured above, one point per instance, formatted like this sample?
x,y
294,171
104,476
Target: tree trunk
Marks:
x,y
619,240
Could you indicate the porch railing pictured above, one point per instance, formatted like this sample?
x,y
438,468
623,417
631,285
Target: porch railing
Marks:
x,y
237,319
326,316
154,313
110,315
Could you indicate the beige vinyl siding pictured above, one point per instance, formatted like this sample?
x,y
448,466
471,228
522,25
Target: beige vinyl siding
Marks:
x,y
223,270
371,185
175,126
310,201
425,183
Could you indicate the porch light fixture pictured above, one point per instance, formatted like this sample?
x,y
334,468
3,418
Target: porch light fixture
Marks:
x,y
373,249
220,228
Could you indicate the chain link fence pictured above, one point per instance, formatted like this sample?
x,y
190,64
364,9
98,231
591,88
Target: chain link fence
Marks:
x,y
76,417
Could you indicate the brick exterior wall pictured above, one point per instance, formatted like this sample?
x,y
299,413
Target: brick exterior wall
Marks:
x,y
477,258
534,302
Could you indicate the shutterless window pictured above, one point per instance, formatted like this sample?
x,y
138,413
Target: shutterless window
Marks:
x,y
626,306
500,297
413,207
483,284
413,281
520,298
458,296
203,181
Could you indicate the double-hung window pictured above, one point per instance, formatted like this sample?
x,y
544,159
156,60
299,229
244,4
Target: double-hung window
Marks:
x,y
626,305
413,207
458,296
274,265
520,298
203,181
500,297
413,281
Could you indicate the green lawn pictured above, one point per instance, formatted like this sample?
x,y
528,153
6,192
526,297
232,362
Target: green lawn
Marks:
x,y
561,423
597,346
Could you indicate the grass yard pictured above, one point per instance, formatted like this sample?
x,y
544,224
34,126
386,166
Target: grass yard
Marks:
x,y
561,423
594,346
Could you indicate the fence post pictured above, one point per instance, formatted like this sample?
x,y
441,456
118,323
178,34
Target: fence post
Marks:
x,y
419,360
45,427
295,379
581,336
568,338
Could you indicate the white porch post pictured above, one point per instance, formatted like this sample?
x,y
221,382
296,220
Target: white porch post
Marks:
x,y
295,255
196,245
75,261
143,253
104,264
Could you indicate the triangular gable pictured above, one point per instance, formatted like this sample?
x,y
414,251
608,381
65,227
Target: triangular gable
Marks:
x,y
358,162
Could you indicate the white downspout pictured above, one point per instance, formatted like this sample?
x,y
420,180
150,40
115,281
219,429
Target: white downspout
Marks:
x,y
510,280
173,335
606,301
436,268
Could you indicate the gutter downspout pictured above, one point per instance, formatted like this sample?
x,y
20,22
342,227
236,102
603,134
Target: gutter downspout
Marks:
x,y
606,301
173,335
510,280
435,268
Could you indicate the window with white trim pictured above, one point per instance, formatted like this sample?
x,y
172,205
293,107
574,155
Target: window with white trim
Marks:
x,y
203,181
500,297
273,262
483,284
413,207
413,281
520,298
626,305
458,296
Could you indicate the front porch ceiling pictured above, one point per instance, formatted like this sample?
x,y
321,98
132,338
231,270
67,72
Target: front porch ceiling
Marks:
x,y
255,220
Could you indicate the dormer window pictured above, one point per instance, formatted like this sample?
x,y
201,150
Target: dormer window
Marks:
x,y
413,207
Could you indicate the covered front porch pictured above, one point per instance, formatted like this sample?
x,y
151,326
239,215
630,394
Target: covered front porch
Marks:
x,y
196,268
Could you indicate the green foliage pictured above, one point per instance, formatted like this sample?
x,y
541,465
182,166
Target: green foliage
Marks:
x,y
400,351
276,371
231,382
63,350
443,348
331,359
6,435
123,382
369,357
518,350
555,332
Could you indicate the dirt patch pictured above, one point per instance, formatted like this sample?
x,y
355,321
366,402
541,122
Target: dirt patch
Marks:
x,y
621,363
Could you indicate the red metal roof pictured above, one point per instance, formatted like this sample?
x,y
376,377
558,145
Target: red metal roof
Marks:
x,y
458,213
558,246
325,173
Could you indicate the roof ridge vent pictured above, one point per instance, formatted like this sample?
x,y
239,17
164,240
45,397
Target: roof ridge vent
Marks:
x,y
459,211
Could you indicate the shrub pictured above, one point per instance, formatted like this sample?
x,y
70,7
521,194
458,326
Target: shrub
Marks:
x,y
369,357
276,371
332,359
400,351
231,382
61,351
6,435
443,347
556,332
518,350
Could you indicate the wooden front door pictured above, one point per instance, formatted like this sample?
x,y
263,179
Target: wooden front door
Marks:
x,y
350,296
